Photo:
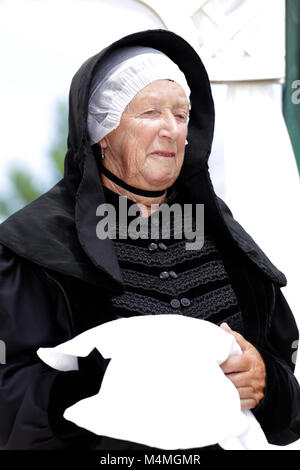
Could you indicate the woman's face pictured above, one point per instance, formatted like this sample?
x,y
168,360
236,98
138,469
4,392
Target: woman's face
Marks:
x,y
147,149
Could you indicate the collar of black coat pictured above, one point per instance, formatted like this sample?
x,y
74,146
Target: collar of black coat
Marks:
x,y
58,230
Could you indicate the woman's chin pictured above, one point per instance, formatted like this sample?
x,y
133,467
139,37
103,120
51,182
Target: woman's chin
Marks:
x,y
161,182
161,177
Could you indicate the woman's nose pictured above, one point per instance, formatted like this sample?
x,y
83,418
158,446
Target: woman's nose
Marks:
x,y
169,127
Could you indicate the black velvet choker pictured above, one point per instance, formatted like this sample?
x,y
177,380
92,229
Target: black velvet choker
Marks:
x,y
132,189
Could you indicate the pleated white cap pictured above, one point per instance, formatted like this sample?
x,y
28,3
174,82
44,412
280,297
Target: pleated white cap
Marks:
x,y
120,77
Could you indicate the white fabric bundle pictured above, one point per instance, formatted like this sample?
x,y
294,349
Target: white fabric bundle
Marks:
x,y
163,387
122,75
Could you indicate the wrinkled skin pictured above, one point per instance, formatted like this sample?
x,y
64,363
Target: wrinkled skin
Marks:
x,y
154,121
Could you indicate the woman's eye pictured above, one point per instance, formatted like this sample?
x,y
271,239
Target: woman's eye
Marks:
x,y
182,117
150,112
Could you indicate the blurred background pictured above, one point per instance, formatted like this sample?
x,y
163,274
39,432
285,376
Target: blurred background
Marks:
x,y
251,49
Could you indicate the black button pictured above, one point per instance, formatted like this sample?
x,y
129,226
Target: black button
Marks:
x,y
173,274
152,247
185,302
164,275
162,246
175,303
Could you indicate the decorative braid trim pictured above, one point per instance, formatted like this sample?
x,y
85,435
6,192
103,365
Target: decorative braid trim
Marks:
x,y
203,307
142,304
208,272
213,302
176,253
236,323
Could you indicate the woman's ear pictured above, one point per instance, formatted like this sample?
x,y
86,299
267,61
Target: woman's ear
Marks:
x,y
103,143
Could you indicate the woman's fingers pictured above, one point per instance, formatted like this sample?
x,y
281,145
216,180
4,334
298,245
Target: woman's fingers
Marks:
x,y
247,371
235,364
240,379
250,396
248,404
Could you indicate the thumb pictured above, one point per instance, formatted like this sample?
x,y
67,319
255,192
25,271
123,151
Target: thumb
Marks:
x,y
226,327
238,337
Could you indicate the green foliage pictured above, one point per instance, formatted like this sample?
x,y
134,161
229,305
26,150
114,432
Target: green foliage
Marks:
x,y
23,184
3,208
59,146
23,187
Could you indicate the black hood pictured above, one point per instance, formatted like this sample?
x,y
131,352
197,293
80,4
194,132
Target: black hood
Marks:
x,y
58,230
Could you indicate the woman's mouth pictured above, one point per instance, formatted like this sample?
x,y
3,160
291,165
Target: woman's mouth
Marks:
x,y
163,153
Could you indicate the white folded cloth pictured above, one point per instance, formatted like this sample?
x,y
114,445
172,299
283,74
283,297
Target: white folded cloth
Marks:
x,y
163,386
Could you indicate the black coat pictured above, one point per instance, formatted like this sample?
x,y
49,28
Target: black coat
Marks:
x,y
55,272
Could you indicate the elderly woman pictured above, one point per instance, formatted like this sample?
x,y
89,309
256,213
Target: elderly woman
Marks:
x,y
140,130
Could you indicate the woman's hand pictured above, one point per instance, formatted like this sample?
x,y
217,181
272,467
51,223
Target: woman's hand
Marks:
x,y
247,371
